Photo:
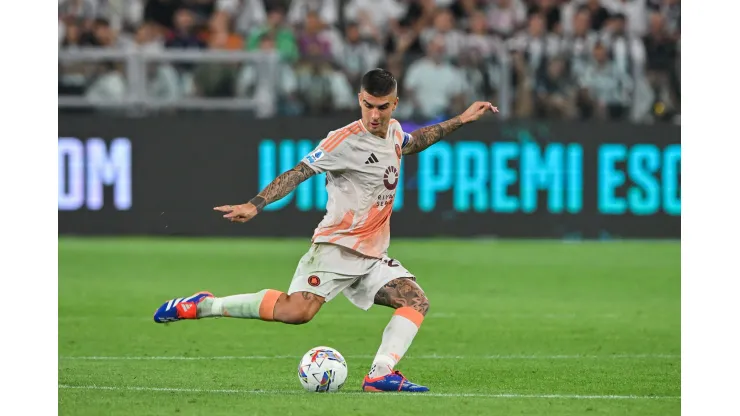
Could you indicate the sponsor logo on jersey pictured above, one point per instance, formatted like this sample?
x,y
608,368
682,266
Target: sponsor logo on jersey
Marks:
x,y
390,178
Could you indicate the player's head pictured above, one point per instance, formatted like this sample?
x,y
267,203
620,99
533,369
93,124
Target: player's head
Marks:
x,y
378,99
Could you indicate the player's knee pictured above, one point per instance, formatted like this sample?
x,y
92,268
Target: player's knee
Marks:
x,y
301,316
300,308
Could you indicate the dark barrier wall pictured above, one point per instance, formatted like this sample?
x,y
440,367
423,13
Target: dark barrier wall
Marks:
x,y
163,175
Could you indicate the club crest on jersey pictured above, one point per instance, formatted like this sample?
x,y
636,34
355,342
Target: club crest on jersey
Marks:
x,y
390,178
315,156
314,280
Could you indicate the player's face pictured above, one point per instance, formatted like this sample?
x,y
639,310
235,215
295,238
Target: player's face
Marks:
x,y
376,112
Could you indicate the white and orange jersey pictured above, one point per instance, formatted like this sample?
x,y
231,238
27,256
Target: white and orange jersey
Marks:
x,y
362,172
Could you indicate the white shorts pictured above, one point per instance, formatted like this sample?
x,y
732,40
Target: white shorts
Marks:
x,y
327,269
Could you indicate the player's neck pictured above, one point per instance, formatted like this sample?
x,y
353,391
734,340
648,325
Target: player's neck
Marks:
x,y
384,133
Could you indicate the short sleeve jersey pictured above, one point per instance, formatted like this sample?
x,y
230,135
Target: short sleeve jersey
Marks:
x,y
362,172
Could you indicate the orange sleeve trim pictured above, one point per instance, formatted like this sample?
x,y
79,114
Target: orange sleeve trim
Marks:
x,y
335,139
267,306
411,314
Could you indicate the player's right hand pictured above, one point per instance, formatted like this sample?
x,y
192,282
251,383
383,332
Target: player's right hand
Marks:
x,y
238,213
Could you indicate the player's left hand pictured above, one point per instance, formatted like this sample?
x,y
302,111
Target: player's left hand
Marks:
x,y
238,213
475,111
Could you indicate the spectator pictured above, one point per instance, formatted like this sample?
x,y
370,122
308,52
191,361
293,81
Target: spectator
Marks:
x,y
535,43
163,81
599,14
161,12
554,91
671,12
581,43
405,40
444,25
506,17
358,55
477,86
327,11
226,38
323,88
434,87
316,40
272,82
70,10
183,35
275,27
202,9
605,88
479,40
550,11
124,15
72,75
635,12
661,51
216,79
523,82
463,10
627,51
375,17
108,82
246,14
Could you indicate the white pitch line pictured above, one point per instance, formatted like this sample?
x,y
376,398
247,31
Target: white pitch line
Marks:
x,y
345,393
422,357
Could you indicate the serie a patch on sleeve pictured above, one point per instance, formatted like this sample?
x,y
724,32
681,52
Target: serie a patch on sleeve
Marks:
x,y
313,157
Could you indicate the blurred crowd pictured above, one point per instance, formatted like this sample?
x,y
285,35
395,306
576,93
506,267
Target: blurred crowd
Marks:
x,y
554,59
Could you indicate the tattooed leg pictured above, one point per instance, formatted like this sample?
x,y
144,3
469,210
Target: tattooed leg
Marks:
x,y
403,292
411,305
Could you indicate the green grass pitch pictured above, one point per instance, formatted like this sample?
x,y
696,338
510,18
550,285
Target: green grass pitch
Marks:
x,y
520,327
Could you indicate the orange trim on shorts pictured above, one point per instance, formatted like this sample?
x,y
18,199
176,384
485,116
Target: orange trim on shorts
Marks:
x,y
267,306
411,314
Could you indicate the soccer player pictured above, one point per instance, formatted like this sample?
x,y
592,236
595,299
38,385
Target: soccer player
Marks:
x,y
349,247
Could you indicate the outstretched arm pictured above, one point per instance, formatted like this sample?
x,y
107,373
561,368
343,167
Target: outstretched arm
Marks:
x,y
282,186
427,136
276,190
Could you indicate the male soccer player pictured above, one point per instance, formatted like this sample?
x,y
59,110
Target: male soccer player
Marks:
x,y
349,249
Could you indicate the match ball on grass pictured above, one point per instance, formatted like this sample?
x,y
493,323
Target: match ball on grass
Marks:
x,y
322,370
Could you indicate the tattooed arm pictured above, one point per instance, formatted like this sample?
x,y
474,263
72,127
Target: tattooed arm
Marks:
x,y
282,186
403,292
427,136
276,190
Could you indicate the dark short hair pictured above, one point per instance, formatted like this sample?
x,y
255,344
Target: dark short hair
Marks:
x,y
378,82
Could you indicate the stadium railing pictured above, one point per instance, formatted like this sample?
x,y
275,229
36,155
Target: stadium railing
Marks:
x,y
134,65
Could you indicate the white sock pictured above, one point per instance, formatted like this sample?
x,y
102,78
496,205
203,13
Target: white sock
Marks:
x,y
397,338
258,305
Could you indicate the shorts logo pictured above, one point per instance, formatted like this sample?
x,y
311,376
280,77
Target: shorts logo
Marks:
x,y
314,280
390,178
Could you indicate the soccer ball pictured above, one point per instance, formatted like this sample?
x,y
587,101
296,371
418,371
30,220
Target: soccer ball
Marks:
x,y
322,369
